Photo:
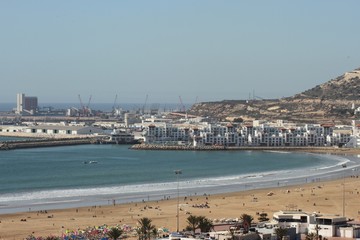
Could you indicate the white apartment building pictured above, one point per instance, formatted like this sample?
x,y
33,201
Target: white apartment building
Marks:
x,y
324,225
253,135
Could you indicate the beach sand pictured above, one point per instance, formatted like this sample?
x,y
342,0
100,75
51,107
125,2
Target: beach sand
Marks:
x,y
320,197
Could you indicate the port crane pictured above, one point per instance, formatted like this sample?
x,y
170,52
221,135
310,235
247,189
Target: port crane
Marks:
x,y
146,99
114,105
115,109
86,111
182,106
196,100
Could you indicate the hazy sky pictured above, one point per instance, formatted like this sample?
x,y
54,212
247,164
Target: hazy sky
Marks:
x,y
210,50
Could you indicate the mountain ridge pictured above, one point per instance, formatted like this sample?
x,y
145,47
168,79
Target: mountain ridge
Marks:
x,y
332,101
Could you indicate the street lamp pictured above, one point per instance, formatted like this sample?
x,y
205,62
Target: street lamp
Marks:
x,y
344,166
177,172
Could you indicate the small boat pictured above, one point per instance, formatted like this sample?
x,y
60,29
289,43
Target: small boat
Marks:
x,y
90,162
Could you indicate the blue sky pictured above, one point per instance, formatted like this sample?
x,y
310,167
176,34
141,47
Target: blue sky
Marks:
x,y
200,49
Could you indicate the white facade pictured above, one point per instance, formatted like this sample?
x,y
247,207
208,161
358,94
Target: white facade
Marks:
x,y
253,135
327,226
20,99
62,130
295,219
324,225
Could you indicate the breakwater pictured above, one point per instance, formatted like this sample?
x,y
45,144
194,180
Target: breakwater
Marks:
x,y
35,143
333,150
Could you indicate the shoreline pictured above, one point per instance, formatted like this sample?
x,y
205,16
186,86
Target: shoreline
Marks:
x,y
72,198
12,203
321,197
89,139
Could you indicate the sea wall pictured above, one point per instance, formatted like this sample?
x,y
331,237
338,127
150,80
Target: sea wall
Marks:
x,y
9,145
333,150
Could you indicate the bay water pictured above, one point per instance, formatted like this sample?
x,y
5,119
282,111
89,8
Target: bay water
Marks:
x,y
87,175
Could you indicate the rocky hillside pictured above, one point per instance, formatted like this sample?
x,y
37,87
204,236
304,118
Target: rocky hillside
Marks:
x,y
330,101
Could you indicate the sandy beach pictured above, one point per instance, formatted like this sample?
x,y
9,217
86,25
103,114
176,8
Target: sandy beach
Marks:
x,y
321,197
325,197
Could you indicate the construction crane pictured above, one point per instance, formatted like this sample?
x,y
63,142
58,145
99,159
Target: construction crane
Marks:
x,y
196,100
115,109
85,108
144,106
182,106
114,105
88,110
88,104
81,105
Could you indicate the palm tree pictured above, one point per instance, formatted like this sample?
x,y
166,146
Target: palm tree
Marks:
x,y
193,223
280,232
205,224
145,229
115,233
154,233
246,219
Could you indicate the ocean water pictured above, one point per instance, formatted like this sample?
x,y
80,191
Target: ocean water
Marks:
x,y
58,177
106,107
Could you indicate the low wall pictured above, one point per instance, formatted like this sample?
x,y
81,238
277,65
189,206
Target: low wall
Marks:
x,y
333,150
44,143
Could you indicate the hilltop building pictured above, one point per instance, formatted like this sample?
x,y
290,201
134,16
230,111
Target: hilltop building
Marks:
x,y
26,105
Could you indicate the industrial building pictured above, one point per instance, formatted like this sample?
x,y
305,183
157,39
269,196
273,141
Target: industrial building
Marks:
x,y
26,105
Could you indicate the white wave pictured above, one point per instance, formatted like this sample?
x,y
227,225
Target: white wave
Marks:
x,y
273,151
55,202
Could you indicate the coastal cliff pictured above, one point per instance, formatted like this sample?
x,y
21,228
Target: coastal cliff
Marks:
x,y
331,101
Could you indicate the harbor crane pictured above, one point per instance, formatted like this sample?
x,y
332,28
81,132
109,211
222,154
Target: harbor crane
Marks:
x,y
115,109
196,100
182,106
114,105
144,106
85,108
88,105
81,105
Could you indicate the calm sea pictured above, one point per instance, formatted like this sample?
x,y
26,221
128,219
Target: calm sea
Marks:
x,y
58,177
106,107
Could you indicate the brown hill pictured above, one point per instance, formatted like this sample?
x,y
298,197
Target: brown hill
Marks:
x,y
330,101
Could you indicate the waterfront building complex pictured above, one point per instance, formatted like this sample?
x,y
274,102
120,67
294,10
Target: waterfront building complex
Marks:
x,y
319,224
257,133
